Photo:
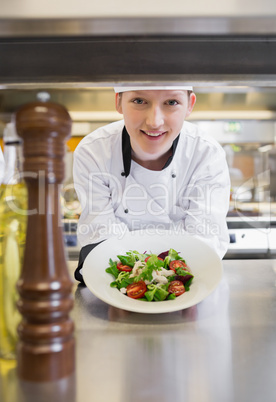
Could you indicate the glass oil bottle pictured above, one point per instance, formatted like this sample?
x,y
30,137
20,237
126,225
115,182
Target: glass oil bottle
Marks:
x,y
13,222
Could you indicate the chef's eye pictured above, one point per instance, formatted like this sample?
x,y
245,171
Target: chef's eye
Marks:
x,y
138,101
172,102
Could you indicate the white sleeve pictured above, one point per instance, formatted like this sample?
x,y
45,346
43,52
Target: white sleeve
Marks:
x,y
2,166
97,221
205,202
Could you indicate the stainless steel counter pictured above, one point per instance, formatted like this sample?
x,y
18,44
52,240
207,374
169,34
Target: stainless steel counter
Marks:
x,y
222,350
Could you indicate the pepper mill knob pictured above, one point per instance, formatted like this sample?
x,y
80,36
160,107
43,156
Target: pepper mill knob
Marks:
x,y
46,347
43,96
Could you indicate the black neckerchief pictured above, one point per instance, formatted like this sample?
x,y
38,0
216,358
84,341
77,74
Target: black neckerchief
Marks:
x,y
126,150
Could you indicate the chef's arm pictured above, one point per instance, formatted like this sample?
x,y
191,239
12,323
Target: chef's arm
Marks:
x,y
206,202
97,221
93,187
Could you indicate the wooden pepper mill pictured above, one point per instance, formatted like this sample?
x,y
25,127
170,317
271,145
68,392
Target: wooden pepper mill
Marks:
x,y
46,347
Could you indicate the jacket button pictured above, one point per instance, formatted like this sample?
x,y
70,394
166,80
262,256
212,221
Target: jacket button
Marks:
x,y
173,175
126,211
123,174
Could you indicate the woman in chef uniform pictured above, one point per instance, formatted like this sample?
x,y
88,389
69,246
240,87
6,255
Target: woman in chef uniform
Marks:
x,y
153,169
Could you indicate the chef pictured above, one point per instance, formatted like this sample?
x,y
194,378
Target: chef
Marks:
x,y
153,169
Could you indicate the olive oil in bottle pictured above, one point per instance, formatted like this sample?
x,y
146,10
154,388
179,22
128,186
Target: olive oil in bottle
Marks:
x,y
13,221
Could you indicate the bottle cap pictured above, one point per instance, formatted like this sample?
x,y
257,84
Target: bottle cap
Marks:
x,y
10,134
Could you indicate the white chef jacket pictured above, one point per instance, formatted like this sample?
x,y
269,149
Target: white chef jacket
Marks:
x,y
2,166
118,195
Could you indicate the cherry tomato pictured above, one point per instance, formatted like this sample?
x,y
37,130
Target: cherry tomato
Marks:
x,y
136,290
161,259
177,264
123,267
176,287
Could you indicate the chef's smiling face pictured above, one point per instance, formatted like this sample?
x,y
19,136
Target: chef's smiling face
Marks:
x,y
153,120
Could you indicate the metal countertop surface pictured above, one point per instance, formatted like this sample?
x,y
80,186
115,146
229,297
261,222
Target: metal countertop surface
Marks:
x,y
221,350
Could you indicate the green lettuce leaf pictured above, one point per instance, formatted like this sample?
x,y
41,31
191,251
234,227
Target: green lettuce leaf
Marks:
x,y
131,257
172,255
112,269
156,292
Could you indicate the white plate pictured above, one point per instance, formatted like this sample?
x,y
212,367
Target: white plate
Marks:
x,y
203,261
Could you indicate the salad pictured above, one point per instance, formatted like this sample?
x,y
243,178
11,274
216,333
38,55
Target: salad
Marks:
x,y
150,277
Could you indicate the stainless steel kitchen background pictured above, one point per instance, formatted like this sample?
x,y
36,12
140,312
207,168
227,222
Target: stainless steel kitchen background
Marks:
x,y
242,119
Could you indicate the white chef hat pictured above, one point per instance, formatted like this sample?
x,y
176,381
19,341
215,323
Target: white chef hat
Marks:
x,y
152,88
